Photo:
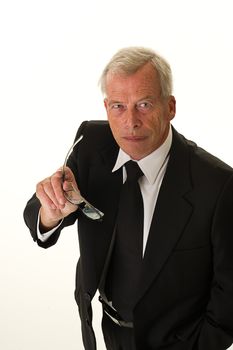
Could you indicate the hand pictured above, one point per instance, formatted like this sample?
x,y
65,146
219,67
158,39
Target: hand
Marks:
x,y
54,205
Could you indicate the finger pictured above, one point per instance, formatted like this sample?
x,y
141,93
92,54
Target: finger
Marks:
x,y
67,186
69,181
67,174
46,195
57,188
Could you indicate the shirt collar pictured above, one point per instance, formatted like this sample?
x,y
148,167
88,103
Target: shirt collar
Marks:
x,y
151,164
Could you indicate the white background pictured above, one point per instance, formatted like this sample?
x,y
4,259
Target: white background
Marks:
x,y
52,54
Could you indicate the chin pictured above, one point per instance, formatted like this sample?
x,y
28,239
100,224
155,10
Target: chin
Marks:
x,y
135,155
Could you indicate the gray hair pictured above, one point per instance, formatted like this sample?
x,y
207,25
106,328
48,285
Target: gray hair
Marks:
x,y
128,60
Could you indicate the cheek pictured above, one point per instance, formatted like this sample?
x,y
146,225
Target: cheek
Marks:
x,y
156,129
115,127
157,123
153,125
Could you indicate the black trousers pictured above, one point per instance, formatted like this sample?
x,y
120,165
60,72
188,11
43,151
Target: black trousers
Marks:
x,y
117,337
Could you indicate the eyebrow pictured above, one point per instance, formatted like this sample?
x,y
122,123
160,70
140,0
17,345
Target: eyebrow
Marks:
x,y
148,97
113,101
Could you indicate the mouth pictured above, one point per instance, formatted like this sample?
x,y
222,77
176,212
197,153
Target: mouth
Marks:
x,y
134,138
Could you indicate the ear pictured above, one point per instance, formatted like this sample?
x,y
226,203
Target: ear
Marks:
x,y
171,107
106,103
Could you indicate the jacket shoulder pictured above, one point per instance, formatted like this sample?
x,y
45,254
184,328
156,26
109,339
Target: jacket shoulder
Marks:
x,y
199,156
207,160
97,132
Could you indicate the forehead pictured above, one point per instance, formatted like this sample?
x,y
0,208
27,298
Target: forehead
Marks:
x,y
145,80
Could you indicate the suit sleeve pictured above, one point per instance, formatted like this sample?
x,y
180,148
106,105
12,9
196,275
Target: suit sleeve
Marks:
x,y
217,328
32,208
31,213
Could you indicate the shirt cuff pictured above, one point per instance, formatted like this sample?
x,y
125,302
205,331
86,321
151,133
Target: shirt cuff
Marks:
x,y
43,237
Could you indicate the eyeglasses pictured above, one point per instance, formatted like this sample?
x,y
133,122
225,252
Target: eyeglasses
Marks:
x,y
74,196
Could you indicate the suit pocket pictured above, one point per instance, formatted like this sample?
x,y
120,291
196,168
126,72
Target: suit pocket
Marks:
x,y
189,271
183,248
189,330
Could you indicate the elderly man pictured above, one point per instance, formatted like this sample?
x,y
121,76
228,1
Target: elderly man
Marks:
x,y
157,238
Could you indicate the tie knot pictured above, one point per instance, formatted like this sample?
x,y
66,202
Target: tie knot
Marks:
x,y
133,171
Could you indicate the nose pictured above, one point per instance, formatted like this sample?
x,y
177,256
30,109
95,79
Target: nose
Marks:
x,y
132,119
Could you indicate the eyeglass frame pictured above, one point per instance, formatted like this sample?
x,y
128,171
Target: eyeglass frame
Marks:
x,y
82,203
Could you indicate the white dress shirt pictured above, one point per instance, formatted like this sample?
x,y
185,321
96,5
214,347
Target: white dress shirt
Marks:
x,y
153,167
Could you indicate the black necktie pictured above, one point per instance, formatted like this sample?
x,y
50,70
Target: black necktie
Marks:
x,y
125,267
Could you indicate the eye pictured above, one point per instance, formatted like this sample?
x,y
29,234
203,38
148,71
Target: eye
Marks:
x,y
117,106
144,105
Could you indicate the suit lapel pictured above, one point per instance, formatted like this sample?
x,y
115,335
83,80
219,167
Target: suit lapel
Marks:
x,y
171,214
103,185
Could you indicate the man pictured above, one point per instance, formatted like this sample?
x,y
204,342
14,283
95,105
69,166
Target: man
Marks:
x,y
163,260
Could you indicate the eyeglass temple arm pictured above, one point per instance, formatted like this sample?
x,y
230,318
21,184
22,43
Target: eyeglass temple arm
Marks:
x,y
69,153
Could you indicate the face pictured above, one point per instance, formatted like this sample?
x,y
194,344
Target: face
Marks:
x,y
138,116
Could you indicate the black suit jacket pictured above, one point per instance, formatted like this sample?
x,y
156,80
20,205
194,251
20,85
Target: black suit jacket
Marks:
x,y
186,292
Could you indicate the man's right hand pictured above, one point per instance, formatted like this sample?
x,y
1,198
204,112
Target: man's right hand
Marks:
x,y
54,205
